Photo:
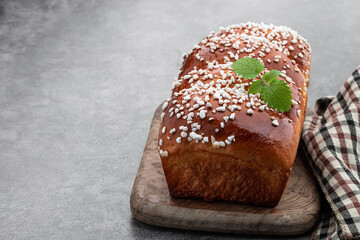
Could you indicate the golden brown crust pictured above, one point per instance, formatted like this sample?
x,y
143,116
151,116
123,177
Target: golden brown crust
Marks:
x,y
211,145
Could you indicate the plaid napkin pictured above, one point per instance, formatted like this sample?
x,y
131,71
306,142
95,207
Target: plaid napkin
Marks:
x,y
332,139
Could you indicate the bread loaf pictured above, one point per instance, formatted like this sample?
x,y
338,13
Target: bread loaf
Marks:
x,y
217,142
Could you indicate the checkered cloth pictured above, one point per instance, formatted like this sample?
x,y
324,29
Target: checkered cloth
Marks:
x,y
332,138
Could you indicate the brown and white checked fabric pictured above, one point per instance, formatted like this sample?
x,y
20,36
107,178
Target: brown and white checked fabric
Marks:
x,y
332,139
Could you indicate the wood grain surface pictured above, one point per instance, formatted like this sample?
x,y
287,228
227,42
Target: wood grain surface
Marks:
x,y
150,202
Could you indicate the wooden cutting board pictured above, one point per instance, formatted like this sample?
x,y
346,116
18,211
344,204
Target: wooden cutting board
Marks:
x,y
150,202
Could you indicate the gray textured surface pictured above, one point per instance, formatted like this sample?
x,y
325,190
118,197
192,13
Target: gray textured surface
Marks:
x,y
79,81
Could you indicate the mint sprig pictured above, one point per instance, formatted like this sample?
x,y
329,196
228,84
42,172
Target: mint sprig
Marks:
x,y
275,92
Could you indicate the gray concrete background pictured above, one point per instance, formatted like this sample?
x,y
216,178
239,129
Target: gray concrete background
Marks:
x,y
80,80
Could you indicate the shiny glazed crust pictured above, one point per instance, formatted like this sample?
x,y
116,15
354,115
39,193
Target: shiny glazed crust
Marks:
x,y
216,142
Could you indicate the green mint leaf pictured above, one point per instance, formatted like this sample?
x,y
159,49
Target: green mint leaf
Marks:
x,y
256,87
277,95
247,67
271,75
